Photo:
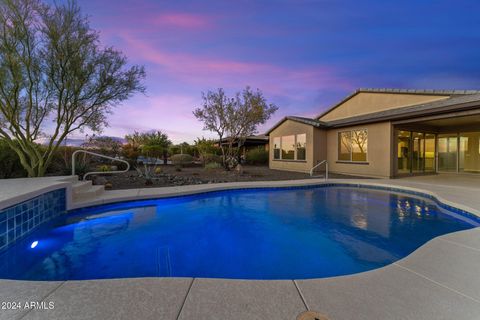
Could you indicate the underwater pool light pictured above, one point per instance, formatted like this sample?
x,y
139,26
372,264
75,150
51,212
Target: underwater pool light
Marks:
x,y
34,244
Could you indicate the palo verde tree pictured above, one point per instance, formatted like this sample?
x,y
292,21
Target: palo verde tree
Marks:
x,y
55,78
154,144
233,119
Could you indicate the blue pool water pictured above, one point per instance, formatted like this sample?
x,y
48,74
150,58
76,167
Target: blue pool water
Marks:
x,y
243,234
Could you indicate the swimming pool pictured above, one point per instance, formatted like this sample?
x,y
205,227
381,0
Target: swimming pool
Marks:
x,y
290,233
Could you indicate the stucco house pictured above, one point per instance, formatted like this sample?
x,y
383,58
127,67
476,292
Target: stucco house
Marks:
x,y
384,133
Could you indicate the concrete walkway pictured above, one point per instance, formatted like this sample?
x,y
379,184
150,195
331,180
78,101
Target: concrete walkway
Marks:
x,y
438,281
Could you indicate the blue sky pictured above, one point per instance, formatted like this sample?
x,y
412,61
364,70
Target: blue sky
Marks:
x,y
304,55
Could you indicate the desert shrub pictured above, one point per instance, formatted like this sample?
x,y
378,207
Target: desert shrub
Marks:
x,y
130,153
257,157
10,166
80,169
207,146
181,159
62,162
210,157
105,168
213,165
182,148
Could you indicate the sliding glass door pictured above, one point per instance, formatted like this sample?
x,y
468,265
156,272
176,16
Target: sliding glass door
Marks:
x,y
456,152
403,152
469,153
447,152
418,152
429,152
415,152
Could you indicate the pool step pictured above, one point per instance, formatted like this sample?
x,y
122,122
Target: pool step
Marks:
x,y
85,190
71,179
164,265
80,186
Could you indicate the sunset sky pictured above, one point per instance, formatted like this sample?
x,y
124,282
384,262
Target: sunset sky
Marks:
x,y
304,55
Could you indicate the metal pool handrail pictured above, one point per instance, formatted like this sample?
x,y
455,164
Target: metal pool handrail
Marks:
x,y
319,164
101,156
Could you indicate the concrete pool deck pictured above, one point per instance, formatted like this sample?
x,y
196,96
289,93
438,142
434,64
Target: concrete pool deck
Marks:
x,y
438,281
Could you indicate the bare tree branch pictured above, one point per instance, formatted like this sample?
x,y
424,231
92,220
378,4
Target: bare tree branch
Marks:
x,y
52,67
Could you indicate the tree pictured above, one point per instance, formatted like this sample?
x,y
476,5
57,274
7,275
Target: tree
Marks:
x,y
182,148
53,70
150,145
105,145
233,119
10,166
135,139
155,144
207,148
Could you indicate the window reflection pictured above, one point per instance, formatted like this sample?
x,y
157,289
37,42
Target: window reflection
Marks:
x,y
301,146
288,147
352,145
344,147
276,148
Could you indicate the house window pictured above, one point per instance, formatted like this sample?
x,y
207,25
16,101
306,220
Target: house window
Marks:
x,y
301,146
288,147
276,148
352,145
291,147
344,146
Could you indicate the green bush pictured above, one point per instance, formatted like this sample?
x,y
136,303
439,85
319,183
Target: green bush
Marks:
x,y
181,159
257,157
210,157
213,165
10,166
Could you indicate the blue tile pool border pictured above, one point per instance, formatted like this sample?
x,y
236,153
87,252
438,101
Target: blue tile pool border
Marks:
x,y
114,204
21,219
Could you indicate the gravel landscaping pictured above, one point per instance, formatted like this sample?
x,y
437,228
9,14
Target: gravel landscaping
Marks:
x,y
169,176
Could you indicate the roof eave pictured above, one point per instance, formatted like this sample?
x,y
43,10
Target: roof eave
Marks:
x,y
291,118
432,92
405,115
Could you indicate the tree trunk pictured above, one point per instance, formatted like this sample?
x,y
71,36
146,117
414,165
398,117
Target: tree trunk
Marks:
x,y
165,157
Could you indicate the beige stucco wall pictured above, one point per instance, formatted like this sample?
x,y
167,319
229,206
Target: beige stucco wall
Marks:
x,y
379,152
366,102
316,146
320,145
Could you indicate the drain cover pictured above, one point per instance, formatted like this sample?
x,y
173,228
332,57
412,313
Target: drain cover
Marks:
x,y
311,315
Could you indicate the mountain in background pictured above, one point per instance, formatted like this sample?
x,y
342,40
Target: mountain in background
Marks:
x,y
77,142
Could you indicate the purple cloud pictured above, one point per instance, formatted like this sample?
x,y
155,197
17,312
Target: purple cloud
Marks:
x,y
304,55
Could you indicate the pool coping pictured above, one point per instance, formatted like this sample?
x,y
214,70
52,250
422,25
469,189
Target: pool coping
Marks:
x,y
459,295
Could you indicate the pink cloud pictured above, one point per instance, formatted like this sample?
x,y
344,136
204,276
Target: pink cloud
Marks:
x,y
221,72
168,112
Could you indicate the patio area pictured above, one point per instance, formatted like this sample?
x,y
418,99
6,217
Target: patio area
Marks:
x,y
448,180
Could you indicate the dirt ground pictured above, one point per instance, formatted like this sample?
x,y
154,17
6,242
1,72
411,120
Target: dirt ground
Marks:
x,y
169,176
